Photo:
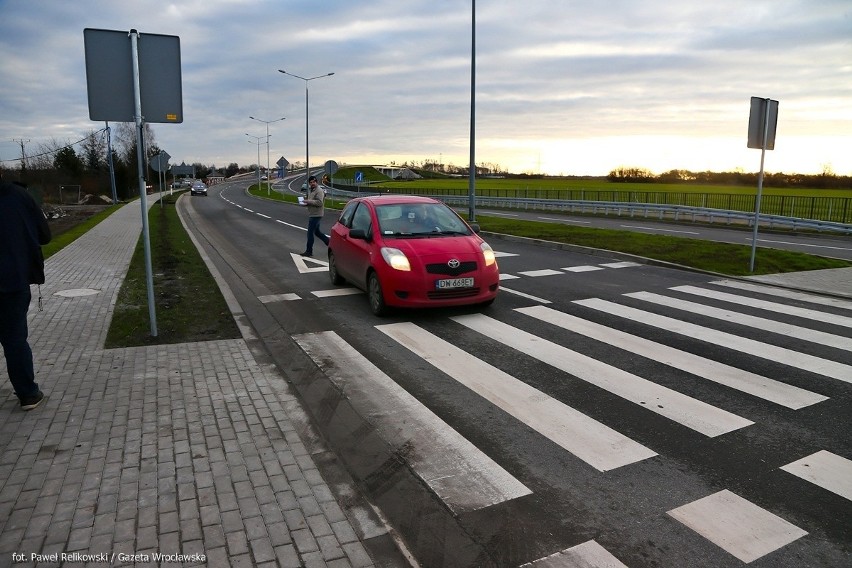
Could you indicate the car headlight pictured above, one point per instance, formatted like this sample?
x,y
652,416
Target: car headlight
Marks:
x,y
396,259
488,253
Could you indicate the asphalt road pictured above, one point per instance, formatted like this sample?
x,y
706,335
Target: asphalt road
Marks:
x,y
599,409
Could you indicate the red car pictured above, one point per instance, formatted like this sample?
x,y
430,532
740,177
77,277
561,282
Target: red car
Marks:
x,y
410,251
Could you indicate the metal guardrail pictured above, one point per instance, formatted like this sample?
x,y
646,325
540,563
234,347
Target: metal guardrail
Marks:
x,y
646,210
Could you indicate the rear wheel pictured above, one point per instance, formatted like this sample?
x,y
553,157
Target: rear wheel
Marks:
x,y
374,292
336,278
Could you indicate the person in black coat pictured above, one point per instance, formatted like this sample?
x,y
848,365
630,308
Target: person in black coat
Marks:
x,y
23,229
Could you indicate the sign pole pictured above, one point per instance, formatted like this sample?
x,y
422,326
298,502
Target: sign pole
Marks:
x,y
111,167
143,193
762,122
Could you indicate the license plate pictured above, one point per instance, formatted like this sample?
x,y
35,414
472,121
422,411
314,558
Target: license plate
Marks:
x,y
454,283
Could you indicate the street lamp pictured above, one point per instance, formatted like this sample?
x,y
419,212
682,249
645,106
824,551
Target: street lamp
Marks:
x,y
307,150
267,122
257,140
471,189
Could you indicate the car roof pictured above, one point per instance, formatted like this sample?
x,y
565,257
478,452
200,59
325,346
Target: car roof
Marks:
x,y
396,199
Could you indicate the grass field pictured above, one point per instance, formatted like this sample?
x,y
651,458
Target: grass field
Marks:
x,y
503,185
598,185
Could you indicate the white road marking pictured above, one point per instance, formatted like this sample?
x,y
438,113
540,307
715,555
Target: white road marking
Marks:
x,y
582,268
566,220
659,230
785,293
771,306
460,474
689,412
334,292
589,554
826,470
504,276
789,357
537,273
749,239
499,254
736,525
623,264
596,444
301,263
772,326
264,216
291,225
278,298
522,295
762,387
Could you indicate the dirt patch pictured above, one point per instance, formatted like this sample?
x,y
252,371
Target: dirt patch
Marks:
x,y
64,217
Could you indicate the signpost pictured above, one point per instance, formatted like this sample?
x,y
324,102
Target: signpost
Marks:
x,y
134,78
282,164
160,164
762,122
330,168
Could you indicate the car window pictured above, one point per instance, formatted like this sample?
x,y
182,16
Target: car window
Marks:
x,y
346,215
361,219
419,219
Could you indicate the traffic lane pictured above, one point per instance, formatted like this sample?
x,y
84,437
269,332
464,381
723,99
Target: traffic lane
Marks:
x,y
561,497
393,489
834,246
264,238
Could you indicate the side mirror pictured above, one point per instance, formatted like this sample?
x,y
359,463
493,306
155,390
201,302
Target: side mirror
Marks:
x,y
359,234
475,227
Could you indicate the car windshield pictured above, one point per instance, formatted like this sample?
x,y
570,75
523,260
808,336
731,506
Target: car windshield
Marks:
x,y
419,219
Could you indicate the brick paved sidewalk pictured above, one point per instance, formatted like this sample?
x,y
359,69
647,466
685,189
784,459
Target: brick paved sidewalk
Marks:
x,y
173,449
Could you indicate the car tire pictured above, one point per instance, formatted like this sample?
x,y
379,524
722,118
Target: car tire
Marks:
x,y
375,295
335,277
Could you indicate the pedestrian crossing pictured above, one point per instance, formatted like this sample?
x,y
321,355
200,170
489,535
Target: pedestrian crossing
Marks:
x,y
805,361
744,381
741,528
594,443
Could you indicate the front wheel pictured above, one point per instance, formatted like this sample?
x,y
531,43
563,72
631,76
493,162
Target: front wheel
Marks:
x,y
377,298
335,276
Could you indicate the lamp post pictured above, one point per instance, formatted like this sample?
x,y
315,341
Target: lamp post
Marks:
x,y
267,122
307,147
472,172
257,140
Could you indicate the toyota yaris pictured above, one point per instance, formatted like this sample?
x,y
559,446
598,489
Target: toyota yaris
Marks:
x,y
407,251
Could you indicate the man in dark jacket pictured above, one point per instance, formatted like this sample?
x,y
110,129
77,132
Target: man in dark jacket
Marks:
x,y
23,229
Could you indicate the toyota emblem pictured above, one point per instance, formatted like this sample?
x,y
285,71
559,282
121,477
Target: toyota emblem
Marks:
x,y
453,263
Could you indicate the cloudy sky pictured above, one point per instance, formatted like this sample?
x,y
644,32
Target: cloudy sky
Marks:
x,y
562,86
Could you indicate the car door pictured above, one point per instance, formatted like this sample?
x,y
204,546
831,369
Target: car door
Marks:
x,y
359,252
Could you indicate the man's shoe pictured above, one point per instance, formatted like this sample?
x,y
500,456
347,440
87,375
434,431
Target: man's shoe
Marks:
x,y
30,402
306,253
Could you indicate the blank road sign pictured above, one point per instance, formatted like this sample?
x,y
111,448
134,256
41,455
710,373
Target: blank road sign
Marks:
x,y
109,76
757,123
